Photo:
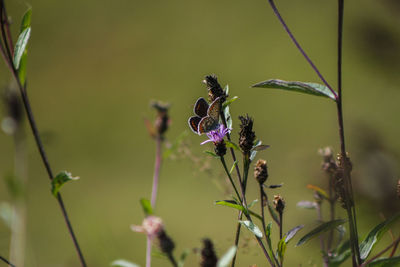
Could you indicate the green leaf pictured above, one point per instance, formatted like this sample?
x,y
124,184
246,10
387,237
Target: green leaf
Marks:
x,y
340,254
123,263
232,145
26,20
319,190
302,87
146,206
291,233
212,154
22,68
306,204
320,229
281,249
268,234
252,203
228,117
385,262
375,235
233,204
182,258
229,101
20,46
233,166
60,180
253,154
252,228
226,89
273,213
226,259
175,145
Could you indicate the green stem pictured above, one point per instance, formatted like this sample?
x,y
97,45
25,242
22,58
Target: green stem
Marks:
x,y
230,178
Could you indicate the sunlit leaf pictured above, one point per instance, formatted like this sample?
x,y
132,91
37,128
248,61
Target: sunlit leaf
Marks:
x,y
60,180
20,46
233,167
302,87
229,101
253,154
375,235
123,263
146,206
252,228
226,259
291,233
319,190
226,89
260,147
182,258
228,117
211,154
320,229
6,213
281,249
26,20
340,254
252,203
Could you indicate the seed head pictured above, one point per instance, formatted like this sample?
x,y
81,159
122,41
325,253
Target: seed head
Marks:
x,y
261,171
208,256
162,120
246,134
165,242
279,204
214,88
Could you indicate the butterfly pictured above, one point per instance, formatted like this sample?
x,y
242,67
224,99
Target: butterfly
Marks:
x,y
207,116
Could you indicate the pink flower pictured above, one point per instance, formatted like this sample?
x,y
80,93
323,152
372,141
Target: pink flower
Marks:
x,y
151,226
216,136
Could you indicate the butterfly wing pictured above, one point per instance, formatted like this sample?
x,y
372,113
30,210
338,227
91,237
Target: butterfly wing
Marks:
x,y
214,109
201,107
194,123
207,124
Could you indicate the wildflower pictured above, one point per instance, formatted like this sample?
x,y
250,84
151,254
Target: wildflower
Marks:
x,y
246,135
279,204
217,137
261,171
214,88
151,226
208,256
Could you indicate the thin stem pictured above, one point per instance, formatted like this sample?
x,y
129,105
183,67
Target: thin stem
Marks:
x,y
35,132
331,211
148,251
271,2
230,178
280,225
394,248
321,237
263,196
157,167
394,243
172,259
6,261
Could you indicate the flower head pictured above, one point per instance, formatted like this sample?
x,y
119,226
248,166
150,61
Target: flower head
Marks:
x,y
217,137
214,88
151,226
246,135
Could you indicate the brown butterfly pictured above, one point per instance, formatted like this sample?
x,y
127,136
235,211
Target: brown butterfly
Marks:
x,y
207,116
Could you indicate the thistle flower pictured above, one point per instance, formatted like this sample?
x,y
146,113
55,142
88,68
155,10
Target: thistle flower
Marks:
x,y
214,88
217,137
261,171
151,226
246,135
208,256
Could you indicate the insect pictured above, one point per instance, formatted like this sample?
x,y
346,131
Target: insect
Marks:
x,y
207,116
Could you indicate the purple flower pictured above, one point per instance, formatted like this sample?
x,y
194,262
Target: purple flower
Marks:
x,y
217,136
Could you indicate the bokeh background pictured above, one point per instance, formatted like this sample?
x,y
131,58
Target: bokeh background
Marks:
x,y
94,67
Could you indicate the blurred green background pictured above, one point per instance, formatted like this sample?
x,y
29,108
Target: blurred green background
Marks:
x,y
94,67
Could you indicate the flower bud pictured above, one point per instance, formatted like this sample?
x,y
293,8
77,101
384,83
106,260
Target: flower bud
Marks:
x,y
279,204
246,134
214,88
261,171
208,256
165,242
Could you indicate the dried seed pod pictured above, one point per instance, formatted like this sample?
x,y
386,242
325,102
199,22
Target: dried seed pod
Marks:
x,y
261,171
246,135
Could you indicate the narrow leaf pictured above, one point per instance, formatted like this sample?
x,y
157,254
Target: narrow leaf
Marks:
x,y
375,235
233,166
252,203
22,67
340,254
60,180
319,190
273,213
268,234
228,117
226,259
229,101
289,235
302,87
123,263
20,46
182,258
232,145
232,204
260,147
281,249
211,154
146,206
385,262
273,186
320,229
26,20
306,204
252,228
226,89
253,155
